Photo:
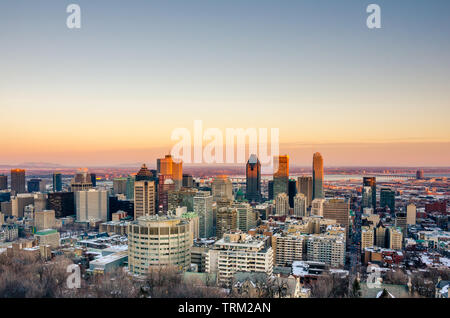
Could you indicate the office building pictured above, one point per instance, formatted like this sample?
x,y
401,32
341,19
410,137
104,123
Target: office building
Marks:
x,y
82,181
44,220
19,202
17,181
387,199
57,182
203,206
367,237
411,213
246,217
318,176
130,188
270,190
253,179
292,191
395,238
144,174
222,188
63,203
120,185
92,205
401,222
188,181
158,241
144,198
317,207
339,210
34,185
281,175
165,185
370,182
3,182
305,186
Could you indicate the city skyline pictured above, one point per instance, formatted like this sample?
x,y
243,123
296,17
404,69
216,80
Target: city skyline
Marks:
x,y
113,91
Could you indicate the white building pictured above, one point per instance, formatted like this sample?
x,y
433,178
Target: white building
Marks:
x,y
239,252
91,205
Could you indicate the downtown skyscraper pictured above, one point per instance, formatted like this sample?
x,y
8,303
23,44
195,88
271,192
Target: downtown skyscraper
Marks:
x,y
253,179
57,182
317,176
372,184
281,175
17,181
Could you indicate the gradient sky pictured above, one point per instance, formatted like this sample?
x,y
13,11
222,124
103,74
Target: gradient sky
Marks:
x,y
113,91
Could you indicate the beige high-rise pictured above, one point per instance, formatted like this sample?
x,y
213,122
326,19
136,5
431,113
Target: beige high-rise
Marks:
x,y
144,198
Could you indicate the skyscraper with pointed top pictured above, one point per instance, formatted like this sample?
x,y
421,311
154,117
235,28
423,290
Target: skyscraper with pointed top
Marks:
x,y
317,176
253,179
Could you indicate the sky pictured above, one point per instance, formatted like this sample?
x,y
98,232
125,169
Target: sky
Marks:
x,y
113,91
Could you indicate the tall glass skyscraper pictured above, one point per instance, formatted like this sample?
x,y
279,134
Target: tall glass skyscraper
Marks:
x,y
253,178
281,176
57,182
372,183
317,176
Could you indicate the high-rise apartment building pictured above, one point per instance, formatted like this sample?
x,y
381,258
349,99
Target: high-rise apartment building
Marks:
x,y
203,206
239,252
305,186
227,220
253,179
144,198
326,248
300,205
281,175
57,182
318,176
158,241
17,181
371,182
288,248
